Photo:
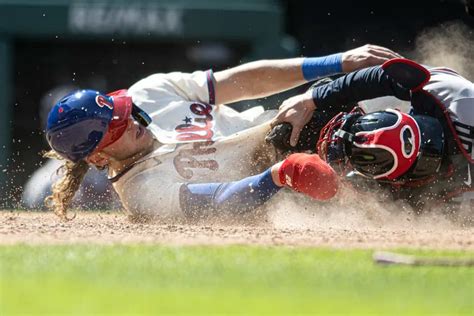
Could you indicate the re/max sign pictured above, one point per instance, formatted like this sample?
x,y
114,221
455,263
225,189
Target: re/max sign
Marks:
x,y
109,18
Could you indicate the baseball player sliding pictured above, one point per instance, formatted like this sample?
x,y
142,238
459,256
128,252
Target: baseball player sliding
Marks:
x,y
171,145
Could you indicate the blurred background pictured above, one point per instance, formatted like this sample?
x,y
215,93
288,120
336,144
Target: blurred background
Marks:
x,y
49,47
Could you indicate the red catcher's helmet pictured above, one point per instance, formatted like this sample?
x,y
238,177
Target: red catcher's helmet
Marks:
x,y
386,145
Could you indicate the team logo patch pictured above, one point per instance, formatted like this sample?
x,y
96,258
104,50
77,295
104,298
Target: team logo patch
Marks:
x,y
102,101
407,138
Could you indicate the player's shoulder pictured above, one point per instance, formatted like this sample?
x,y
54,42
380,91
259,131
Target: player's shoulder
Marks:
x,y
148,82
448,75
169,77
449,84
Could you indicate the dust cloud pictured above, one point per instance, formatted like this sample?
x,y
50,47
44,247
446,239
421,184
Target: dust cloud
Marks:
x,y
354,211
448,45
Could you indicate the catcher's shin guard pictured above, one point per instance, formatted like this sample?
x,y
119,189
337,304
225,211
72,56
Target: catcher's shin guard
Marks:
x,y
310,175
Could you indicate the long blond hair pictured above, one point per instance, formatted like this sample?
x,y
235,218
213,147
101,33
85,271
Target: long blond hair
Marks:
x,y
65,188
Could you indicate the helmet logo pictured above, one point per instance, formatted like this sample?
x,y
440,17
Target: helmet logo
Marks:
x,y
402,140
408,141
102,101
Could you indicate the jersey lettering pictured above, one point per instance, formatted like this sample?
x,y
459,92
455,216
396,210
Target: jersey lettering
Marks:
x,y
186,159
201,131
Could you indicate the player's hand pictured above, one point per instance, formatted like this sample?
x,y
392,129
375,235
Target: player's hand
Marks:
x,y
297,111
366,56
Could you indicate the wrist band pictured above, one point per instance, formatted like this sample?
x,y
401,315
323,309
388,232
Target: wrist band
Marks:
x,y
315,67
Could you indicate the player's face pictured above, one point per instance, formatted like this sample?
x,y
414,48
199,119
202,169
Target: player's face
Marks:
x,y
137,141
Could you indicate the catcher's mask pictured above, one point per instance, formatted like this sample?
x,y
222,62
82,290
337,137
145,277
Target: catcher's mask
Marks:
x,y
384,145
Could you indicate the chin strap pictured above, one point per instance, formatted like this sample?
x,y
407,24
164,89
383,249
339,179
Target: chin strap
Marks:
x,y
345,135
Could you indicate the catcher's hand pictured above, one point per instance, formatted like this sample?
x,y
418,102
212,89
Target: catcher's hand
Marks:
x,y
297,111
280,135
308,136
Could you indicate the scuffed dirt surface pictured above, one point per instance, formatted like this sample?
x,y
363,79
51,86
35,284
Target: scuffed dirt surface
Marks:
x,y
114,227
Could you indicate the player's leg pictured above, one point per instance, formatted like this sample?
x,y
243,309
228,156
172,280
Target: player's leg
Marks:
x,y
303,173
202,199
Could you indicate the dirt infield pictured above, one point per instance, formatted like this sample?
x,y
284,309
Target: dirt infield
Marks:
x,y
303,228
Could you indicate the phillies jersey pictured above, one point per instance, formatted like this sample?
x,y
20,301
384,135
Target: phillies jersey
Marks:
x,y
197,141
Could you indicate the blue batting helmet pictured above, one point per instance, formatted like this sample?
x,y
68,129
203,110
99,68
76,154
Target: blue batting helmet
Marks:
x,y
85,121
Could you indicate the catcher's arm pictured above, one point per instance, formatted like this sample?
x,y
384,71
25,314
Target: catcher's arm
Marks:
x,y
396,77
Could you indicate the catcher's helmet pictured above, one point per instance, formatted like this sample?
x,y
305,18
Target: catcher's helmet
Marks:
x,y
86,120
391,145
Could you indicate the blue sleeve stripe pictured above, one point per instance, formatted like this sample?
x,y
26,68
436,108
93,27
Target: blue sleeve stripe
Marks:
x,y
315,67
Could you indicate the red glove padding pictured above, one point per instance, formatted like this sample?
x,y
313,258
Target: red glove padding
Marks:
x,y
309,174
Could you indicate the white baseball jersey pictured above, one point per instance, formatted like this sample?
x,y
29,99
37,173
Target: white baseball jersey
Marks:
x,y
198,142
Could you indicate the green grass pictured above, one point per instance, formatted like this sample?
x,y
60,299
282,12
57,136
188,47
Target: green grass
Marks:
x,y
125,280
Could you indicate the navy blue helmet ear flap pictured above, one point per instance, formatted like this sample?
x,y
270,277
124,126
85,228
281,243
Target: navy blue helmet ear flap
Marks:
x,y
432,149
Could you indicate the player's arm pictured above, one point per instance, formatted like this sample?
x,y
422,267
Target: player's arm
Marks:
x,y
266,77
397,78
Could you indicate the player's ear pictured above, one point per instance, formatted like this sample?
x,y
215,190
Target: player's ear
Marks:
x,y
98,159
